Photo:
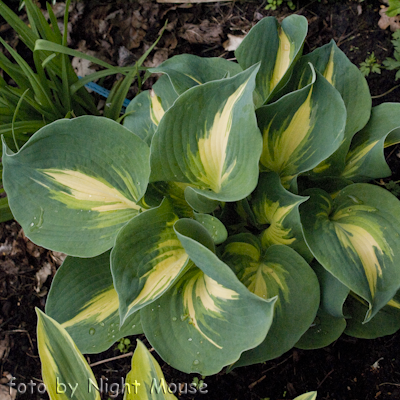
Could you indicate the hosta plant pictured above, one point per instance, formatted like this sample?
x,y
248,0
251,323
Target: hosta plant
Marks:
x,y
229,218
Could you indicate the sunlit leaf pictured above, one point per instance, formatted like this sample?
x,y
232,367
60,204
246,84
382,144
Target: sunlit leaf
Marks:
x,y
76,182
209,138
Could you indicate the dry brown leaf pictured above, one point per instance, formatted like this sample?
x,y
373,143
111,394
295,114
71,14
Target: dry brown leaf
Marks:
x,y
83,67
385,21
7,393
233,42
9,267
205,33
4,348
41,277
57,257
159,57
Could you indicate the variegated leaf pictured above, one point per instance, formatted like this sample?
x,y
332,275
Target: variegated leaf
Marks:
x,y
83,300
356,237
278,271
274,205
145,380
147,258
385,322
187,70
76,182
207,314
345,77
365,159
277,48
307,396
146,110
301,129
65,371
209,138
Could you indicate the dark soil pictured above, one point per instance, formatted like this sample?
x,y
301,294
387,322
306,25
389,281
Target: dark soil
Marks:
x,y
351,369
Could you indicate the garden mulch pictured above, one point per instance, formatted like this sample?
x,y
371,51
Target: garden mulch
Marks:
x,y
120,32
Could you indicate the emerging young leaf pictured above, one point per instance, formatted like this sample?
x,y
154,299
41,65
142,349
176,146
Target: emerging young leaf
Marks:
x,y
274,205
76,183
277,47
356,238
65,371
209,138
147,259
281,272
83,300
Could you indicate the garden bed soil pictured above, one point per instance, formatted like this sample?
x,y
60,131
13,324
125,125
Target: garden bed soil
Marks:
x,y
119,32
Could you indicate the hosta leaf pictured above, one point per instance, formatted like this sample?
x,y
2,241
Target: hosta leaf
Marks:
x,y
324,330
147,258
277,47
209,138
345,77
333,292
65,371
145,380
281,272
83,300
146,109
356,238
208,314
214,227
301,129
307,396
76,182
199,202
274,205
385,322
187,70
365,160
